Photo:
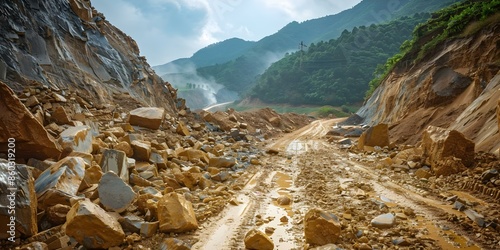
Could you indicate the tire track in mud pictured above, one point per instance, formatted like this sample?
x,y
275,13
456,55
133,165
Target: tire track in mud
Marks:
x,y
322,175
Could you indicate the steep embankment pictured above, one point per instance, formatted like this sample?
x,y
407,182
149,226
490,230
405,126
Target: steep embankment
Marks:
x,y
68,46
456,86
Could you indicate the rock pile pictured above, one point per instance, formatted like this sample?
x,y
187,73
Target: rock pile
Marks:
x,y
109,176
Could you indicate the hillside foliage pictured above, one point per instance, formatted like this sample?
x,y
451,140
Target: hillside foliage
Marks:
x,y
444,24
240,74
336,72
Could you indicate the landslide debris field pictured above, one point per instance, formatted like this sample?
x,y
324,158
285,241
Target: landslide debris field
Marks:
x,y
131,177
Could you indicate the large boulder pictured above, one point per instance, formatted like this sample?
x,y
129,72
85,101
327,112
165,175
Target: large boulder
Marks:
x,y
258,240
92,227
439,143
116,161
176,214
17,122
147,117
66,175
375,136
114,193
77,139
320,227
18,201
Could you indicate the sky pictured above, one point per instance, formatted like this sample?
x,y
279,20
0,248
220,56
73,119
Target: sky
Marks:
x,y
166,30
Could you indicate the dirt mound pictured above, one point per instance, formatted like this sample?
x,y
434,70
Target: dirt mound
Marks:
x,y
263,121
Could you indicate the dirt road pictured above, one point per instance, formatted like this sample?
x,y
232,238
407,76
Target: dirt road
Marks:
x,y
314,173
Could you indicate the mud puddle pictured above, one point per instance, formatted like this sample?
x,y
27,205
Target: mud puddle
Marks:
x,y
278,216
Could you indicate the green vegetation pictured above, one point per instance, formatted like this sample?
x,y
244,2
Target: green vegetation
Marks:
x,y
240,74
457,20
336,72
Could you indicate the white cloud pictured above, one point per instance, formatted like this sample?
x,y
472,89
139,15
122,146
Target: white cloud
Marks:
x,y
169,29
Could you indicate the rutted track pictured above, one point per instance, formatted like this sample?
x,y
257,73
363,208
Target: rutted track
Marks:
x,y
315,173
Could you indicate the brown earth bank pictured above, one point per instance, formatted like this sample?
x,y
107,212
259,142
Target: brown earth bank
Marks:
x,y
456,86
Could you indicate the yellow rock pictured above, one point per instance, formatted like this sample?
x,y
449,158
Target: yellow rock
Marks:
x,y
439,143
182,129
92,227
258,240
147,117
320,227
375,136
176,214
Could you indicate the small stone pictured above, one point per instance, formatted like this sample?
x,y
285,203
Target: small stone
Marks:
x,y
182,129
320,227
284,219
59,98
401,242
384,221
283,200
422,173
222,162
459,206
255,239
35,246
31,101
148,229
345,141
270,230
60,116
56,215
174,244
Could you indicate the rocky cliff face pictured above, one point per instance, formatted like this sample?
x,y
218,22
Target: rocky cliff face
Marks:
x,y
68,46
456,87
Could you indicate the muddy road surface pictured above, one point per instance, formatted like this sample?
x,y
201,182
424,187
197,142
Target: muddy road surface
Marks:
x,y
310,172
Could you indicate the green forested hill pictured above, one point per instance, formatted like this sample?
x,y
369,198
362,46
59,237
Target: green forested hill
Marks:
x,y
336,72
240,74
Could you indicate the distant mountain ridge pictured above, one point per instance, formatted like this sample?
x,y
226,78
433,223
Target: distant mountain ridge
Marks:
x,y
247,60
220,52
